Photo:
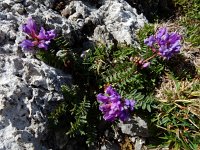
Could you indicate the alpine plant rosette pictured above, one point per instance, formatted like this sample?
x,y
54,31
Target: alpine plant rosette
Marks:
x,y
164,43
35,39
113,106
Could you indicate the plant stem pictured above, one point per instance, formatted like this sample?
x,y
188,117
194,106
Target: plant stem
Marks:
x,y
146,60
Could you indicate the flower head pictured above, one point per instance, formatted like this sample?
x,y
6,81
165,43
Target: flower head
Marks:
x,y
166,44
112,105
41,39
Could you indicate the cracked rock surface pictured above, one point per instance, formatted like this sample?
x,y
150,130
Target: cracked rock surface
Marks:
x,y
114,21
28,90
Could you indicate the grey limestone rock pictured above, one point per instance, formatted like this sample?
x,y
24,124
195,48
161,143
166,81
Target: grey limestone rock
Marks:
x,y
18,8
120,20
113,21
138,143
28,90
137,130
135,126
110,146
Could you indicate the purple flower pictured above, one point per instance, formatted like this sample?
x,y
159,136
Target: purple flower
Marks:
x,y
30,28
166,44
173,38
110,91
102,98
161,32
124,115
41,39
112,105
27,44
150,41
129,104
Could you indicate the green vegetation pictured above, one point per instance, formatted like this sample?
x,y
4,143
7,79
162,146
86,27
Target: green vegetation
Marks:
x,y
190,19
178,113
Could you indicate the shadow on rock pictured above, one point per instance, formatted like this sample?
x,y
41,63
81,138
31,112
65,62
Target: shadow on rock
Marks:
x,y
157,9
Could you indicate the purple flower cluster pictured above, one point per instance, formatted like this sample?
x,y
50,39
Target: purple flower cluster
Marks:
x,y
41,39
166,43
112,105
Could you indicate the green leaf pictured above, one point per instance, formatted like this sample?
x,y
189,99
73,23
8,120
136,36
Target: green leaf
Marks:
x,y
144,106
149,108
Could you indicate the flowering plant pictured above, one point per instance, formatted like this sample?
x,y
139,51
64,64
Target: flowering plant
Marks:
x,y
112,105
41,39
164,43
